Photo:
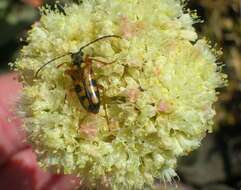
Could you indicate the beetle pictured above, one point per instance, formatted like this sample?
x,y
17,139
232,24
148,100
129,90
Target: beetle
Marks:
x,y
81,73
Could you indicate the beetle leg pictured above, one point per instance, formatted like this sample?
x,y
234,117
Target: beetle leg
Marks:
x,y
70,92
105,105
60,65
102,62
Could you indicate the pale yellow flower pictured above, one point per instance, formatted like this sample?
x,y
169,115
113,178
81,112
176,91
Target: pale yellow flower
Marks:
x,y
158,94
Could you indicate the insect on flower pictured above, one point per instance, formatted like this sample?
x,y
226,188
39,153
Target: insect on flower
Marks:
x,y
81,73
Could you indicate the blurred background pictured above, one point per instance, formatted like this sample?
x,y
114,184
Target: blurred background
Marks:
x,y
216,165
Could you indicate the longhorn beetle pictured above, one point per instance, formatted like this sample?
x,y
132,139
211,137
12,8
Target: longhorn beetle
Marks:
x,y
82,75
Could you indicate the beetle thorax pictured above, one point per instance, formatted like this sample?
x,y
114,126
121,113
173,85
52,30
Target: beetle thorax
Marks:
x,y
78,58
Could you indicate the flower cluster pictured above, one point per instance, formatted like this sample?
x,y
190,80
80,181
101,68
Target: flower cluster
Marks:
x,y
156,97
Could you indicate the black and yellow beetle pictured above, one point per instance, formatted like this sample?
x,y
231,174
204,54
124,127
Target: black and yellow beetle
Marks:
x,y
81,73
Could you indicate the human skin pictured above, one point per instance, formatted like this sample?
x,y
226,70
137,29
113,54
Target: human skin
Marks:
x,y
18,166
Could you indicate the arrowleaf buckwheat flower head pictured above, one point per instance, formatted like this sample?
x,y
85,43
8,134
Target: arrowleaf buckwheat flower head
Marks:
x,y
158,94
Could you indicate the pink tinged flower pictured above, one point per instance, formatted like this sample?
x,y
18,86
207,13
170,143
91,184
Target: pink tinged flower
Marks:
x,y
164,106
88,130
157,71
129,29
132,94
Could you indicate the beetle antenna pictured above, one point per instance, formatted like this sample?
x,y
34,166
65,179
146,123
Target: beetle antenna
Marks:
x,y
101,38
50,61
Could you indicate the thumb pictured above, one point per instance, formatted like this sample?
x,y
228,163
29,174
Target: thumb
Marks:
x,y
19,169
11,137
